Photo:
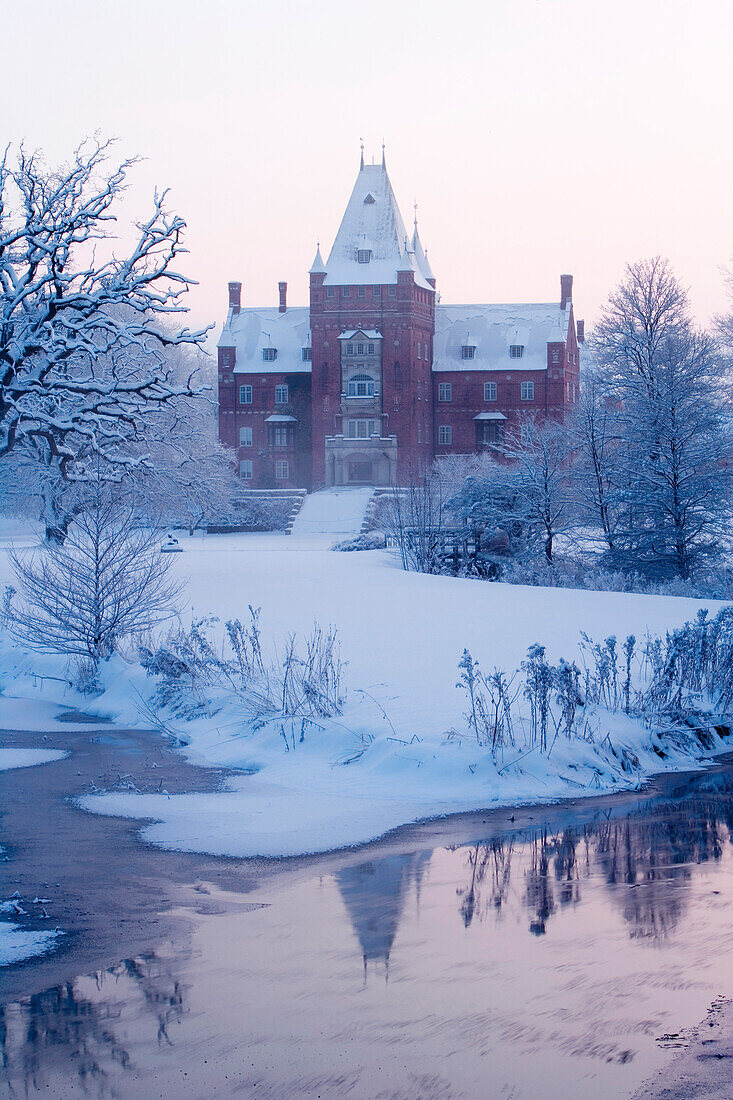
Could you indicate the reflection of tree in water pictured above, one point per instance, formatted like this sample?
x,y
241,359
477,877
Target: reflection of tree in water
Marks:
x,y
70,1030
644,859
490,869
374,894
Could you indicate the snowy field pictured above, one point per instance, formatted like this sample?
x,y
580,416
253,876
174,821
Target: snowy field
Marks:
x,y
402,635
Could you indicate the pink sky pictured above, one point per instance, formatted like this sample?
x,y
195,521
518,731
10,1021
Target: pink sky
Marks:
x,y
538,136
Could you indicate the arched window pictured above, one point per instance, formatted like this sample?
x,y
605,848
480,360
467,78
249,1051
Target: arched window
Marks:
x,y
361,385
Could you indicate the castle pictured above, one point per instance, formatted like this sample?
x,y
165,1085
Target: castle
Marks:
x,y
375,379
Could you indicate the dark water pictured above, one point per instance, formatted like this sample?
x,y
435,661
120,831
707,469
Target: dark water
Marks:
x,y
559,960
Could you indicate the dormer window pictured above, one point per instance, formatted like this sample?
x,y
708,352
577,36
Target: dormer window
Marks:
x,y
516,351
364,255
369,200
269,354
307,354
468,351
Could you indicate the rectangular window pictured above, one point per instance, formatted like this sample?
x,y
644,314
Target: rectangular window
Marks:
x,y
360,429
445,435
527,391
468,351
329,292
445,391
280,436
370,349
245,469
516,351
345,291
282,470
377,292
359,349
281,395
269,354
491,432
419,433
419,390
392,292
555,355
361,292
349,349
245,395
245,437
307,355
489,391
419,348
363,256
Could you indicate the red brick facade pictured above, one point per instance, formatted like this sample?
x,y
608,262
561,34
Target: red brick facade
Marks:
x,y
423,380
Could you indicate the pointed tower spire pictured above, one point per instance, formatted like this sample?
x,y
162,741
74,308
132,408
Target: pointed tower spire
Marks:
x,y
318,267
361,162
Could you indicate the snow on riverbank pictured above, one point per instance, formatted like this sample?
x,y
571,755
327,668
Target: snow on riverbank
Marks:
x,y
402,635
27,758
16,944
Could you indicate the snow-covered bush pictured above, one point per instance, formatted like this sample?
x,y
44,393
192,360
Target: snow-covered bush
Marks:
x,y
679,686
196,678
371,540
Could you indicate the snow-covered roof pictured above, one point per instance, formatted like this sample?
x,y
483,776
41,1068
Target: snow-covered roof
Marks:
x,y
490,416
370,333
281,418
372,222
492,330
252,330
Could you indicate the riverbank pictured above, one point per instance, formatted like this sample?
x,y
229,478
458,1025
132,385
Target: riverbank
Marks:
x,y
560,943
113,894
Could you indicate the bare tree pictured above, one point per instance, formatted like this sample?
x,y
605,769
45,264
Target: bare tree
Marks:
x,y
540,455
108,581
419,517
81,340
594,437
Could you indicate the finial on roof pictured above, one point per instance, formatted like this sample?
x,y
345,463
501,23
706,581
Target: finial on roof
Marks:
x,y
414,206
384,163
361,165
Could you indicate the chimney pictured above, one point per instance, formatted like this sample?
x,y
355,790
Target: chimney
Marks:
x,y
566,290
283,288
235,296
581,332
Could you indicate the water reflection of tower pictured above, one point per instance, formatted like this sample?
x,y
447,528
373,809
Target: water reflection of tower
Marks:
x,y
374,894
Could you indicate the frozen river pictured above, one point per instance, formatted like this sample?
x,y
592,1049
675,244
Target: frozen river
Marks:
x,y
561,954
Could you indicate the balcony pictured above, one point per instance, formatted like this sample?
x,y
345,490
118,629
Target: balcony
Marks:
x,y
366,405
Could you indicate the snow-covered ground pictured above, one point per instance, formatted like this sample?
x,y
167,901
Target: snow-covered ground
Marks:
x,y
17,944
27,758
403,635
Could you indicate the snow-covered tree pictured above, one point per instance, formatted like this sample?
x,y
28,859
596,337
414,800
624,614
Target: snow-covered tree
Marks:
x,y
670,383
84,332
